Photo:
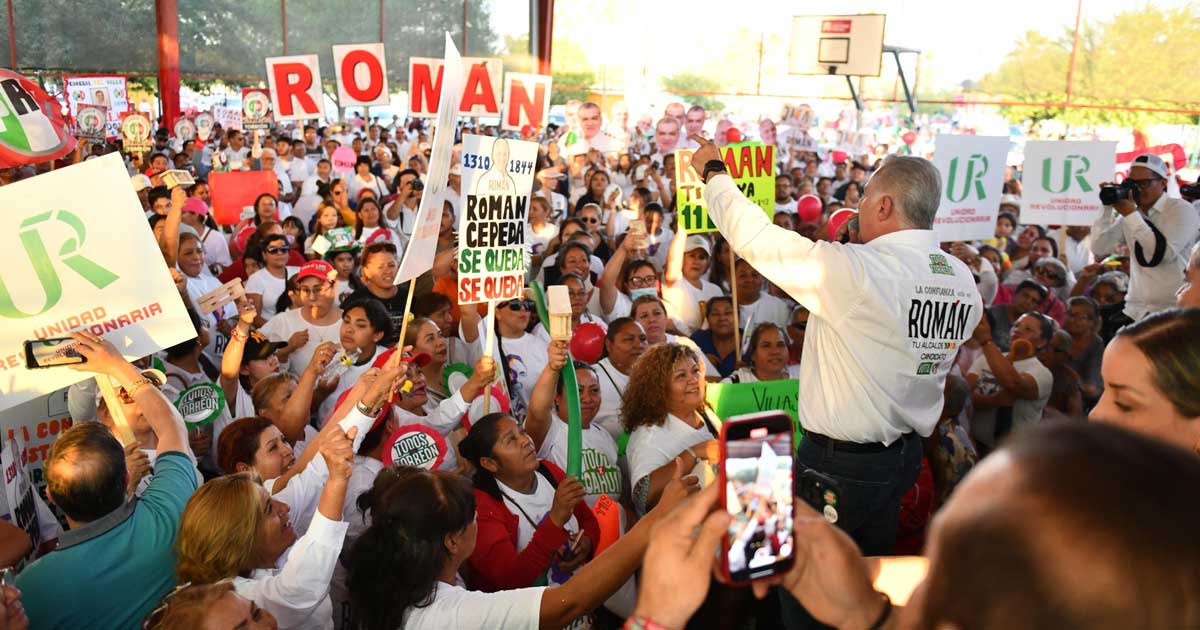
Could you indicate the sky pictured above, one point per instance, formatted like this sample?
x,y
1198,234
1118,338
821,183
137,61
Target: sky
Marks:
x,y
964,39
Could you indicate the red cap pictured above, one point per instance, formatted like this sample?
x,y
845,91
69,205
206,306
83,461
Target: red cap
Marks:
x,y
317,269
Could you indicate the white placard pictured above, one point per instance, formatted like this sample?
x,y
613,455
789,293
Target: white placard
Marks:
x,y
1061,184
972,169
493,255
76,253
422,247
361,75
295,84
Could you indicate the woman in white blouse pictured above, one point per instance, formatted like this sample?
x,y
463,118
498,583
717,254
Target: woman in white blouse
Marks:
x,y
665,413
767,357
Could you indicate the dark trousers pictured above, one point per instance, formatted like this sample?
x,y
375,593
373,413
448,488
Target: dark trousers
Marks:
x,y
871,486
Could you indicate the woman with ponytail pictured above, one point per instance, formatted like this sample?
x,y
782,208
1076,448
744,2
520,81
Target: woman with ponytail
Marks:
x,y
404,570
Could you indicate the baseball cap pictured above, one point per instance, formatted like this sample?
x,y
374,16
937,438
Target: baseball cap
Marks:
x,y
195,205
456,170
317,269
696,241
139,182
1010,200
421,359
259,348
1152,162
551,173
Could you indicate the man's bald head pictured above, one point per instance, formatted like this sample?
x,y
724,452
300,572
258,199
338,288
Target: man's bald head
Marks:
x,y
1071,526
85,473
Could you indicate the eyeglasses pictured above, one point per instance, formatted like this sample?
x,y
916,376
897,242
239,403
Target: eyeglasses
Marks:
x,y
283,249
520,305
577,294
313,291
639,282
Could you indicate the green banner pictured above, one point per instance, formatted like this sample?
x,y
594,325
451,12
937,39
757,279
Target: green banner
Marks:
x,y
752,166
735,399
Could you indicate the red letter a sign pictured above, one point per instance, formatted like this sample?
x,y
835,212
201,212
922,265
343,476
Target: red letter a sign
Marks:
x,y
295,84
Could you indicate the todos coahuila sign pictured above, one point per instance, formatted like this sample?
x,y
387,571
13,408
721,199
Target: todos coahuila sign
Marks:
x,y
32,128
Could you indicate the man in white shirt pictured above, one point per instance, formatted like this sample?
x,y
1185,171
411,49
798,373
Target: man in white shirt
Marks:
x,y
547,181
887,317
591,134
783,195
1160,231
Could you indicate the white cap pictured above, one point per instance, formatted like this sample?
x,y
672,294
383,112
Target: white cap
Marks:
x,y
696,241
1152,163
139,182
1010,200
268,152
456,169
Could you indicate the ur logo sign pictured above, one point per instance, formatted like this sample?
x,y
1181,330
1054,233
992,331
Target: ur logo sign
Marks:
x,y
43,262
965,175
1074,165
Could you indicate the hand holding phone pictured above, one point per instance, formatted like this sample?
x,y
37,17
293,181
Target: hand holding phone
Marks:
x,y
44,353
757,492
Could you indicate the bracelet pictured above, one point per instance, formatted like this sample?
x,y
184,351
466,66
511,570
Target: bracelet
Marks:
x,y
638,622
884,614
136,385
239,334
368,410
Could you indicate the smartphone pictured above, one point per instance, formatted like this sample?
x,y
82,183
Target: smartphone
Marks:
x,y
755,477
821,492
44,353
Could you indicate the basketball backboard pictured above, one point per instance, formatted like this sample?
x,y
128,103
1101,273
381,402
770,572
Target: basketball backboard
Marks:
x,y
837,44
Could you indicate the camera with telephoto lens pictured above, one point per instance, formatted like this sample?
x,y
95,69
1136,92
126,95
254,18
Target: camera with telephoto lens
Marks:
x,y
1191,192
1110,194
417,185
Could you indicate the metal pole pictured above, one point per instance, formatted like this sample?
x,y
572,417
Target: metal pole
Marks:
x,y
912,105
464,29
12,41
283,20
380,20
167,13
1074,48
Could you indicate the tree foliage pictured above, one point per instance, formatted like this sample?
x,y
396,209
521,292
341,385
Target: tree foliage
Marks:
x,y
687,81
1143,57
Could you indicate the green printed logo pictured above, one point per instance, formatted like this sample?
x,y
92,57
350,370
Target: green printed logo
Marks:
x,y
1084,165
976,167
43,263
939,265
925,369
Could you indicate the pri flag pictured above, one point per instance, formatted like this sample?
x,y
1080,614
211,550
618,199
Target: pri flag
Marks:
x,y
972,169
76,254
32,128
1062,181
233,190
492,253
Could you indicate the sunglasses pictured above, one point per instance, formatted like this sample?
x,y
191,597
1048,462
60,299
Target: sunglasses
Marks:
x,y
279,250
589,219
520,305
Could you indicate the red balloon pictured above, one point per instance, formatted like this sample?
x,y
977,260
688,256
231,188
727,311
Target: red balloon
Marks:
x,y
838,218
587,343
839,157
733,134
909,137
809,208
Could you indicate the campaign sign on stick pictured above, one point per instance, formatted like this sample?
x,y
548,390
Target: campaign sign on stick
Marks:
x,y
752,166
204,125
185,129
135,133
492,251
1062,181
18,491
972,169
91,123
526,101
109,92
734,399
343,160
295,84
256,109
361,75
422,247
415,445
227,117
72,260
477,95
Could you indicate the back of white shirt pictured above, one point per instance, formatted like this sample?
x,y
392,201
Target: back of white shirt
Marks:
x,y
455,607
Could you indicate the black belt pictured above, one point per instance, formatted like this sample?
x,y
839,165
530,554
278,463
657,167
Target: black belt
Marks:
x,y
825,441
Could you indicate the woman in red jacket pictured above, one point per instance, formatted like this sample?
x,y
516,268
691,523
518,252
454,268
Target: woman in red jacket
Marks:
x,y
534,527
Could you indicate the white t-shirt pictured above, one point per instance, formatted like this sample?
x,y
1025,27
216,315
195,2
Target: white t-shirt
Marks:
x,y
558,205
285,324
612,389
536,505
599,473
687,315
746,375
269,287
1025,413
537,242
789,207
345,382
650,447
767,308
197,287
455,607
526,358
216,248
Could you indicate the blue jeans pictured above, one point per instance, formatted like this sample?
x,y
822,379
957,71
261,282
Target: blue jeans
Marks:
x,y
872,485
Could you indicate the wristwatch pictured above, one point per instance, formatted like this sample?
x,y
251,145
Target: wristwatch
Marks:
x,y
711,167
